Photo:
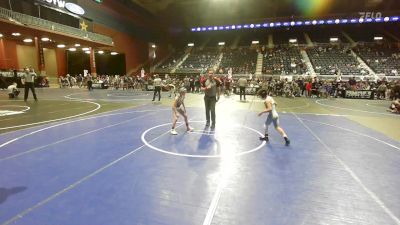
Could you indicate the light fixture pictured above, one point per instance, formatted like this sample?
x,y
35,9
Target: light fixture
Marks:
x,y
293,40
1,35
333,39
16,34
255,42
60,46
45,39
379,38
191,44
335,21
100,52
72,49
221,43
114,53
77,45
28,40
153,46
85,49
87,52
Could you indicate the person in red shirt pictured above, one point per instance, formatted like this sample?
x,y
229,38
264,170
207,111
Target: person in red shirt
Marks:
x,y
308,89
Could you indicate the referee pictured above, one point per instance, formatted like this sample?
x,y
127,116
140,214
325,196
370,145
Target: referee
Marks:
x,y
157,87
29,78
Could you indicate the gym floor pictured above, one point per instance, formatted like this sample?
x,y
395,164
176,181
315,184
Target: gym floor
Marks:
x,y
107,157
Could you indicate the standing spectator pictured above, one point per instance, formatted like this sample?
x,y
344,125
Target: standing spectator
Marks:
x,y
79,80
29,80
191,83
89,82
308,89
242,87
211,96
353,83
197,84
157,87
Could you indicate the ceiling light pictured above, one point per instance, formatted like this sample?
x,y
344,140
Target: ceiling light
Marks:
x,y
378,38
77,45
61,46
72,49
16,34
28,40
294,40
45,39
221,43
333,39
153,46
1,35
87,52
191,44
114,53
100,52
85,49
255,42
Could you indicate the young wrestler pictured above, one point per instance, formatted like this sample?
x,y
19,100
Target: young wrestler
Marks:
x,y
178,107
273,117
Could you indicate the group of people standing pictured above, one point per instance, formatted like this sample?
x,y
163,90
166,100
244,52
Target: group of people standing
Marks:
x,y
211,97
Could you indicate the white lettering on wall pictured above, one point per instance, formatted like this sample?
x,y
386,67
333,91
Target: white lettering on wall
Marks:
x,y
59,3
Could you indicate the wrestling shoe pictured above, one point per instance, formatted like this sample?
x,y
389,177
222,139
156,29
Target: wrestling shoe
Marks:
x,y
287,141
173,132
265,138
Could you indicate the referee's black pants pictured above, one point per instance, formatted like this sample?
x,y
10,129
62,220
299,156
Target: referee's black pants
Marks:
x,y
242,91
29,85
209,103
157,89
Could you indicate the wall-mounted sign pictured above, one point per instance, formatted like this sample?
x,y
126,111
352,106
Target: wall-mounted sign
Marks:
x,y
71,7
58,3
74,8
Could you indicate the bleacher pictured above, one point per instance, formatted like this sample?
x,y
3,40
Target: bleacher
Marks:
x,y
382,59
242,60
283,60
171,61
327,60
199,59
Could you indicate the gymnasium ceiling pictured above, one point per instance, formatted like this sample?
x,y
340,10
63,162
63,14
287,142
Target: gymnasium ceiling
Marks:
x,y
190,13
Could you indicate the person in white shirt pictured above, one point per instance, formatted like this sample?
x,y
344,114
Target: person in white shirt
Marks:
x,y
157,87
273,117
242,82
29,80
178,107
13,91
